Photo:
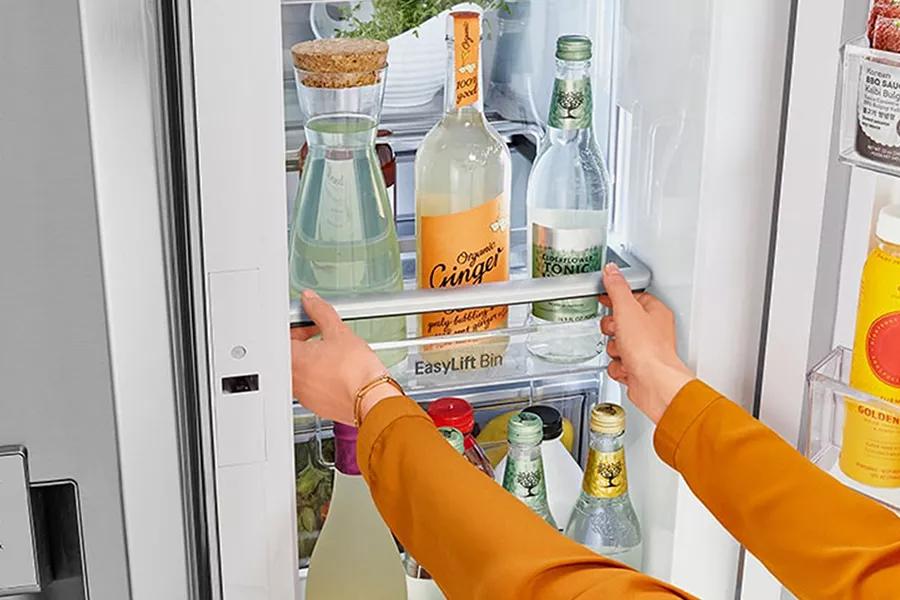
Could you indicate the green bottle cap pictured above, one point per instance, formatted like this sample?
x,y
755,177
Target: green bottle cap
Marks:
x,y
573,47
454,437
525,429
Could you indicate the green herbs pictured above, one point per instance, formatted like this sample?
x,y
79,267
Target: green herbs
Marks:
x,y
393,17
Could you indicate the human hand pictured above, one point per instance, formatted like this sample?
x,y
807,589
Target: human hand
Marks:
x,y
326,373
642,345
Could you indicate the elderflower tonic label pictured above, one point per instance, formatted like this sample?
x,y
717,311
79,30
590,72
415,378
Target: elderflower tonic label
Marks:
x,y
557,252
572,105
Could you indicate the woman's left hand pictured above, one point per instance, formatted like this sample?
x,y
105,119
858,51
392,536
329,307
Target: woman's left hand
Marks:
x,y
327,372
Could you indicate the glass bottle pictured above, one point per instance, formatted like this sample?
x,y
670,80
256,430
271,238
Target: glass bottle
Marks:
x,y
457,413
524,473
510,91
343,238
604,519
355,555
463,182
561,470
568,208
419,582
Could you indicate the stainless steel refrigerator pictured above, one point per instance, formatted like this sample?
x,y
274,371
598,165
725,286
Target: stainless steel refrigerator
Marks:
x,y
148,161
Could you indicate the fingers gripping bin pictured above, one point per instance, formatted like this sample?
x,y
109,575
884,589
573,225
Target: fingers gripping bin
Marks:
x,y
830,400
870,107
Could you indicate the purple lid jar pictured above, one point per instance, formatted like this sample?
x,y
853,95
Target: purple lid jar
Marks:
x,y
345,449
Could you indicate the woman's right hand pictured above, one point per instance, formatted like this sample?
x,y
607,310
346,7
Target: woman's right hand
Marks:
x,y
641,345
327,372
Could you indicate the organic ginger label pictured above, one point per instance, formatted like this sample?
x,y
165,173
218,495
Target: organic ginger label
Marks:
x,y
466,47
462,249
870,451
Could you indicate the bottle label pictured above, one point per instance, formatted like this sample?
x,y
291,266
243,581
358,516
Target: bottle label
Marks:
x,y
605,475
878,112
870,452
556,252
572,104
466,47
883,349
463,249
524,478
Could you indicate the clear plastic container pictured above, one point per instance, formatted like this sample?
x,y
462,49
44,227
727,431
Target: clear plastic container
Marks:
x,y
870,108
829,395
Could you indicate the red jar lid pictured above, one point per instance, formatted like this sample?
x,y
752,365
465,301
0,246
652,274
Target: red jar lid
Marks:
x,y
452,412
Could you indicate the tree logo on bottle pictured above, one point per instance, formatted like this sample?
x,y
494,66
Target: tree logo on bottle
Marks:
x,y
605,475
571,105
529,480
570,101
610,471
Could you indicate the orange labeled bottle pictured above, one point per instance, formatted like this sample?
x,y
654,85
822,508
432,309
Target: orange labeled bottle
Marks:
x,y
463,182
870,452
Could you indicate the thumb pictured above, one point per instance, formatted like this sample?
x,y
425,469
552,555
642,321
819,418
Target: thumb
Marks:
x,y
617,289
322,313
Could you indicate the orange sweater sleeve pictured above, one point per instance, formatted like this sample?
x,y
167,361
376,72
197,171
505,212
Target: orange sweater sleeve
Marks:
x,y
819,538
476,540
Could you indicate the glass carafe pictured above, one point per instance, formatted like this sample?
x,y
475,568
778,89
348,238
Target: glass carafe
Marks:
x,y
343,238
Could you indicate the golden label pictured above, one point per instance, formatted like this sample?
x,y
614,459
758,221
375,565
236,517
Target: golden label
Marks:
x,y
463,249
605,475
870,451
466,45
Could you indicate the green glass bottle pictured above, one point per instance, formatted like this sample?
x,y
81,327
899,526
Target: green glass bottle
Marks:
x,y
524,475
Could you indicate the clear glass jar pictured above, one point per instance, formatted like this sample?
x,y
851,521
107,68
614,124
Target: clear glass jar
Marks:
x,y
343,237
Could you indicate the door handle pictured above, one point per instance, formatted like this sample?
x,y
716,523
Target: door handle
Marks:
x,y
520,291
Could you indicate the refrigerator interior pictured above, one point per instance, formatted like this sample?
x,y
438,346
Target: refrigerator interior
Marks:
x,y
664,88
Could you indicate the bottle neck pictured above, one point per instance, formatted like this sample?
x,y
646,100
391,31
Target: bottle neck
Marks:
x,y
889,248
462,86
524,451
571,107
605,476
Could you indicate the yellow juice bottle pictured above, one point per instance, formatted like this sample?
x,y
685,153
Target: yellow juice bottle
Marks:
x,y
870,452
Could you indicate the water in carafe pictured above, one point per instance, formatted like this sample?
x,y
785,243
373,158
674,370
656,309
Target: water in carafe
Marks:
x,y
343,238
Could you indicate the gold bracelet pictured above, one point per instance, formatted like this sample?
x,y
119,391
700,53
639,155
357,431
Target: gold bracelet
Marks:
x,y
357,403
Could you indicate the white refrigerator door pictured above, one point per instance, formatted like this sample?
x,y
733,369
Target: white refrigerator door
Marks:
x,y
700,95
821,234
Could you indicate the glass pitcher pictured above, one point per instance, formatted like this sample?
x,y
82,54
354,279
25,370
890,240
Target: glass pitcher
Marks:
x,y
343,238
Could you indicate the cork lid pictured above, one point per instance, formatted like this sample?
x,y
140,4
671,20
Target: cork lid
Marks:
x,y
339,63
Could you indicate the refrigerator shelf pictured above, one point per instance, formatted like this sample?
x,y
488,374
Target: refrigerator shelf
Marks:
x,y
513,292
828,393
486,359
869,135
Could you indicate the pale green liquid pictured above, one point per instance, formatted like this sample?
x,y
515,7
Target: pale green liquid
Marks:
x,y
343,239
355,557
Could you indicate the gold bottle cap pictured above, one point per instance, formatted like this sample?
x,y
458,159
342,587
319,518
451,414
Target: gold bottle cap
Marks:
x,y
607,418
